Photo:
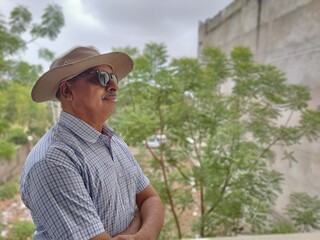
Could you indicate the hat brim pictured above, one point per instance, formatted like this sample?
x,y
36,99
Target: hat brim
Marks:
x,y
47,85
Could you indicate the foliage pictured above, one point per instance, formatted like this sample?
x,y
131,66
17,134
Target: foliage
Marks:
x,y
222,117
19,117
24,73
167,230
22,230
133,52
17,136
12,42
7,149
8,190
282,227
304,211
51,23
17,111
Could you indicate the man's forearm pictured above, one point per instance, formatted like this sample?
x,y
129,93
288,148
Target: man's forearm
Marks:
x,y
134,227
152,216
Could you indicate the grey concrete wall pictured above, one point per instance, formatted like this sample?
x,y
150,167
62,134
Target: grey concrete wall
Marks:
x,y
285,33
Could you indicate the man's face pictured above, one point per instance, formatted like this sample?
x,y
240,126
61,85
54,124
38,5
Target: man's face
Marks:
x,y
92,102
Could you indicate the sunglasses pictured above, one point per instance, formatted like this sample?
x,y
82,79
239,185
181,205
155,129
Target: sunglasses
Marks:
x,y
103,76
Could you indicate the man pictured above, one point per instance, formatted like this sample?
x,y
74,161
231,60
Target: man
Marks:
x,y
80,181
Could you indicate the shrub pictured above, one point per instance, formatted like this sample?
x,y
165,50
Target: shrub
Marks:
x,y
22,230
304,211
7,149
282,227
17,136
8,190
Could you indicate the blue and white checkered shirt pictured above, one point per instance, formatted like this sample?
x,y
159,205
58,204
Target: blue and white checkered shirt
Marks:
x,y
78,182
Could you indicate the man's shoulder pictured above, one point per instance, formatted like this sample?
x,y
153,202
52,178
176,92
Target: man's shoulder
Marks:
x,y
56,142
56,137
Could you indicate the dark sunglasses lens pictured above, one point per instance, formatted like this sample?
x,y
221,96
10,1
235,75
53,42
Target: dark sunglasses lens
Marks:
x,y
114,77
103,78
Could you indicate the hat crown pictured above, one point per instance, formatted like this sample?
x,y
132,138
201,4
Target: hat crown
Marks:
x,y
75,55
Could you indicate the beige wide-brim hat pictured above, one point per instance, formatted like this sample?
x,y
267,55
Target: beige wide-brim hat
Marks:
x,y
75,62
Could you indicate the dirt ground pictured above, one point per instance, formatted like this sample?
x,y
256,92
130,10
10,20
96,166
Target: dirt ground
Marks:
x,y
12,210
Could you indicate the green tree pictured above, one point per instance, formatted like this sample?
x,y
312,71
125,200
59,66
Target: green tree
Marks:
x,y
222,118
17,111
304,211
12,41
141,101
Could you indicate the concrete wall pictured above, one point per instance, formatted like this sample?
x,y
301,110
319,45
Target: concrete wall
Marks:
x,y
284,33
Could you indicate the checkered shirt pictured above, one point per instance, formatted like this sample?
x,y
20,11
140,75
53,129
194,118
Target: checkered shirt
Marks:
x,y
78,182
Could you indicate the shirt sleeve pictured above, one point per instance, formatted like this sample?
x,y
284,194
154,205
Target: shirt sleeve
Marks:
x,y
60,200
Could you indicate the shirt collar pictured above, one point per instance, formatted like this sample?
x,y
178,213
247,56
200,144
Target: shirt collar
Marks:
x,y
81,128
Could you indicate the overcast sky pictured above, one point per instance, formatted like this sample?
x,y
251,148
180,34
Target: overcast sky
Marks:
x,y
119,23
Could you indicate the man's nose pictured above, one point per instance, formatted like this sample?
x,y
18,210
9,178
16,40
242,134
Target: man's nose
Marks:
x,y
112,86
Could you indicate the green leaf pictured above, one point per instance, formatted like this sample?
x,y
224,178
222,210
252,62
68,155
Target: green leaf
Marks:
x,y
46,54
20,19
52,21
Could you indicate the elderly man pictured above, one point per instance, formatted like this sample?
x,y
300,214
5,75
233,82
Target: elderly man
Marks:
x,y
81,181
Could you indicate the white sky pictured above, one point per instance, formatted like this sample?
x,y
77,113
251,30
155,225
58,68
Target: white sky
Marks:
x,y
119,23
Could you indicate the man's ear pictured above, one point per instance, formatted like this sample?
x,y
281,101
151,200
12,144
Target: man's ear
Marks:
x,y
65,90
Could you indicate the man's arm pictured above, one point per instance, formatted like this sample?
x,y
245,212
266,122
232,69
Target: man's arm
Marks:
x,y
152,217
131,230
102,236
152,214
